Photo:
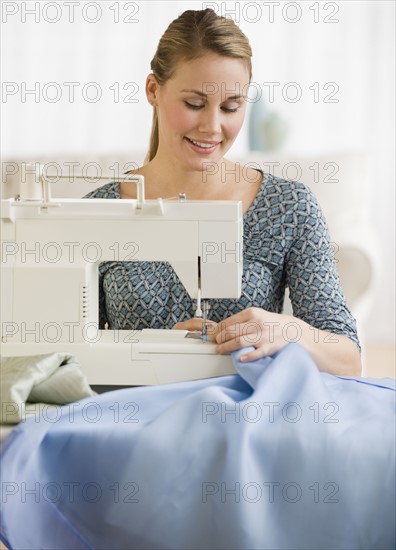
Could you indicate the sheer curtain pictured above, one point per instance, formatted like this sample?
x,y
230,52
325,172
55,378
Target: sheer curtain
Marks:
x,y
73,76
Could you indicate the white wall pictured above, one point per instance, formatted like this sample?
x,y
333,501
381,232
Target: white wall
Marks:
x,y
346,47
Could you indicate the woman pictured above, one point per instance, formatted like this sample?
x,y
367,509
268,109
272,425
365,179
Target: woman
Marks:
x,y
280,455
198,85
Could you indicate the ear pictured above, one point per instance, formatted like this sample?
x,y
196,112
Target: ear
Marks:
x,y
152,88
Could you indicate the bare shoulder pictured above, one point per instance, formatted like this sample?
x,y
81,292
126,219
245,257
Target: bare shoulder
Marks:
x,y
252,175
252,182
242,173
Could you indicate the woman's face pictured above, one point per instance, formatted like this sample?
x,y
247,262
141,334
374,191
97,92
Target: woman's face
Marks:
x,y
200,109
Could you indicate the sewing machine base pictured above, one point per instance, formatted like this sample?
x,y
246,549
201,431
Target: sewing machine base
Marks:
x,y
137,358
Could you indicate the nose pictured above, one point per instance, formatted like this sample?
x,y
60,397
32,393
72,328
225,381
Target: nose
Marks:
x,y
210,121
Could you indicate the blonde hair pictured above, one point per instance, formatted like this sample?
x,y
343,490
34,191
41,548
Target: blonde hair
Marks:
x,y
189,37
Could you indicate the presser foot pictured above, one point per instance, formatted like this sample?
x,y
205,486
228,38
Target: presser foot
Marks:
x,y
198,335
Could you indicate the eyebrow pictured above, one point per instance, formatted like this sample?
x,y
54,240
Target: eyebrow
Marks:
x,y
198,92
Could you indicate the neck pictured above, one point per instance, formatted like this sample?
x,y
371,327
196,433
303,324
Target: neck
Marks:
x,y
170,178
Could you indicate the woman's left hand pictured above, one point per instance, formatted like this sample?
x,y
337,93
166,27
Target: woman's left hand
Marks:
x,y
266,332
196,323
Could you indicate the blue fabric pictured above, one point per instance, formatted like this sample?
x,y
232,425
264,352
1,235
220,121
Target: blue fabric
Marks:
x,y
280,456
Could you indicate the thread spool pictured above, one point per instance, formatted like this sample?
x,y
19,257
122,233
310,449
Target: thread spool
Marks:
x,y
30,184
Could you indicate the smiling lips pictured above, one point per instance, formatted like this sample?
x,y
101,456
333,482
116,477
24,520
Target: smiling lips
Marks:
x,y
203,146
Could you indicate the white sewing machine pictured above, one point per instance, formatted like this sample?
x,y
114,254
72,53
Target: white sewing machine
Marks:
x,y
51,250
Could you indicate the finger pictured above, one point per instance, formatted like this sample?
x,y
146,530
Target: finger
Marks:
x,y
224,334
254,355
250,331
249,316
234,344
237,319
195,323
259,353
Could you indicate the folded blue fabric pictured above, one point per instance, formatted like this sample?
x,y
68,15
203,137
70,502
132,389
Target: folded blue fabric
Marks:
x,y
280,456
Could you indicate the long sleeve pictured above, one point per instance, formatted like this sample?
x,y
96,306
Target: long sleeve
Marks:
x,y
311,275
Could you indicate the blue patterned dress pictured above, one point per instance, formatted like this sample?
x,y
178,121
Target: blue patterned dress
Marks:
x,y
286,244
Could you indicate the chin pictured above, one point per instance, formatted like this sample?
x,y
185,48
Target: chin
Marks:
x,y
206,165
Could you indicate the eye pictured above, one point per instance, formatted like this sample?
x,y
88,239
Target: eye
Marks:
x,y
193,106
231,106
230,110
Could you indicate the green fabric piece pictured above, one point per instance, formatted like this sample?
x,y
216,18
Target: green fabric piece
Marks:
x,y
54,378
